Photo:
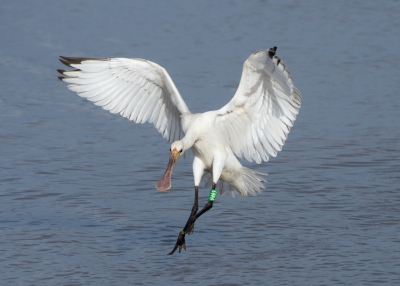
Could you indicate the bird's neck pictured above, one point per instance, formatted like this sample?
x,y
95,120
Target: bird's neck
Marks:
x,y
188,142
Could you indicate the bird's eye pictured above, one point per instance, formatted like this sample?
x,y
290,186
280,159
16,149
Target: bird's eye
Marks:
x,y
181,150
169,149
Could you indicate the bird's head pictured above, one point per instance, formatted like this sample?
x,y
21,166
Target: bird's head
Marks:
x,y
177,150
178,146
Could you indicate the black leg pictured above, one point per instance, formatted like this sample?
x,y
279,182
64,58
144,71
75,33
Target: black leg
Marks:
x,y
189,227
207,207
194,215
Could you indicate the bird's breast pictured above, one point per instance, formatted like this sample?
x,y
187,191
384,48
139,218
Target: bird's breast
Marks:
x,y
207,149
203,151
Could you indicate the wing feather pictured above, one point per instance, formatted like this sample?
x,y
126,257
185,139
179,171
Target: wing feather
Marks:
x,y
257,120
137,89
150,105
155,112
139,105
124,98
148,99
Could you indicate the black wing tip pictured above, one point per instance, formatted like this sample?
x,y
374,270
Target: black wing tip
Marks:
x,y
61,78
272,52
61,71
69,61
65,61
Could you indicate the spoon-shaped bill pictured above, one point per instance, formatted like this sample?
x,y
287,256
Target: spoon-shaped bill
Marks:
x,y
165,182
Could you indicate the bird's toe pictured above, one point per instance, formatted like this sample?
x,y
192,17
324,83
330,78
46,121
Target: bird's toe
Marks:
x,y
180,243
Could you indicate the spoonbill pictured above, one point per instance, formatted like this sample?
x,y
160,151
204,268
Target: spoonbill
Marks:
x,y
253,125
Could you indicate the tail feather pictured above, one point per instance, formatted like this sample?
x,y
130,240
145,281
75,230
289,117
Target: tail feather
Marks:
x,y
252,183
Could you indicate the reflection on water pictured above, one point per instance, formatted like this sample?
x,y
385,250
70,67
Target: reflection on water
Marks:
x,y
79,204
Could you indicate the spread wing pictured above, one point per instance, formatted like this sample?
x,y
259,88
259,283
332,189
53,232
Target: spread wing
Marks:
x,y
137,89
257,120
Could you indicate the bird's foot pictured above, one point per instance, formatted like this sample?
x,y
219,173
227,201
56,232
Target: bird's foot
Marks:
x,y
180,242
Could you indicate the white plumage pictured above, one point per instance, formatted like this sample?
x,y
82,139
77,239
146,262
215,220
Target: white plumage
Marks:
x,y
253,125
137,89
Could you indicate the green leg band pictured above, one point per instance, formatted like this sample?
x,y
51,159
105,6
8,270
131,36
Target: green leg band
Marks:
x,y
212,195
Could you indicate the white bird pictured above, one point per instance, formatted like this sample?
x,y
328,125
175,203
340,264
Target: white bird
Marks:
x,y
253,125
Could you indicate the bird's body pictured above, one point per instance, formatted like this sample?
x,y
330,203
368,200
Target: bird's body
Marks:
x,y
213,155
253,125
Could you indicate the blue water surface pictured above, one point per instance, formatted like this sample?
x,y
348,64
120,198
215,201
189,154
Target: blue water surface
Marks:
x,y
77,184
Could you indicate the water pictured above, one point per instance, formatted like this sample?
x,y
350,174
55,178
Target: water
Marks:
x,y
78,198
